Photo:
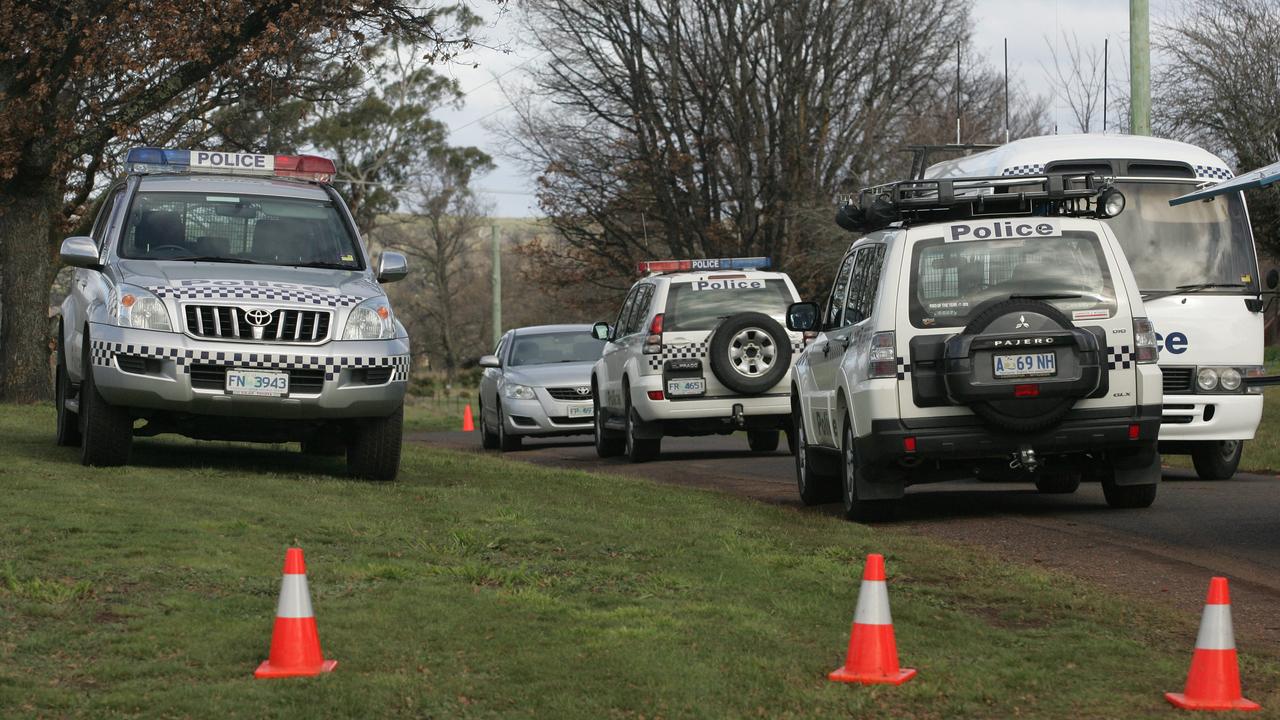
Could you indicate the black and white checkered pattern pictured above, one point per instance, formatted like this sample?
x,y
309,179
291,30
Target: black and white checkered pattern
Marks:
x,y
1121,358
695,351
101,352
1213,172
249,292
1031,169
904,368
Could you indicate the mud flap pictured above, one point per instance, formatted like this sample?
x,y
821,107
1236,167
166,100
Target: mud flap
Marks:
x,y
1140,466
879,482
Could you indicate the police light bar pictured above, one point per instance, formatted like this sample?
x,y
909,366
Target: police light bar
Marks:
x,y
158,160
661,266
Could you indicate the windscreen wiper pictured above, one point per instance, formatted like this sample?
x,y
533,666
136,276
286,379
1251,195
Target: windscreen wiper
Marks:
x,y
1046,296
325,265
1186,289
216,258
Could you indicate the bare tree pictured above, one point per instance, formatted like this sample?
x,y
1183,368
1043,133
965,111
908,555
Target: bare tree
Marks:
x,y
1079,76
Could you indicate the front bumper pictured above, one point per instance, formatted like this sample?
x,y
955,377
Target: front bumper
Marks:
x,y
545,416
340,375
1210,417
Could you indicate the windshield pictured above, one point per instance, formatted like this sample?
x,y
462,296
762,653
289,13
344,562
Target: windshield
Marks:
x,y
1198,242
700,304
951,279
561,347
238,229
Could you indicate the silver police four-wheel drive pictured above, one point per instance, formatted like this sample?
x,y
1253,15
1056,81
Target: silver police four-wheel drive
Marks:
x,y
537,383
989,325
228,297
698,349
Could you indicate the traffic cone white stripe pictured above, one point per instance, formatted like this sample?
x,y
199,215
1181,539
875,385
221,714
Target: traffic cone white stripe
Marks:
x,y
1215,629
295,598
873,604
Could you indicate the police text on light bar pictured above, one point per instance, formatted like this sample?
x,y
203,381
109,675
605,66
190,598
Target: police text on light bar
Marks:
x,y
661,266
161,160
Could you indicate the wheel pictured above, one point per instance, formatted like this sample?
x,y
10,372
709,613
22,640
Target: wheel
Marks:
x,y
763,441
608,443
488,438
1217,459
855,509
749,353
506,441
106,431
639,450
1057,482
374,451
815,488
1128,496
68,422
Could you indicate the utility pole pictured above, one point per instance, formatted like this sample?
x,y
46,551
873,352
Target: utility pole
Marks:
x,y
497,284
1140,61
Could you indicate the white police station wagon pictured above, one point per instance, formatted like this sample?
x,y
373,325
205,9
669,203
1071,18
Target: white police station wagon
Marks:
x,y
698,348
227,296
978,329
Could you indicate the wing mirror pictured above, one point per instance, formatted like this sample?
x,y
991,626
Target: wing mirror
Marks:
x,y
802,316
490,361
392,266
80,251
600,331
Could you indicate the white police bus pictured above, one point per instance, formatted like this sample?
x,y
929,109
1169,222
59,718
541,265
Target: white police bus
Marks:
x,y
1197,269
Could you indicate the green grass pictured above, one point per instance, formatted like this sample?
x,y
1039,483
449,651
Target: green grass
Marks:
x,y
477,587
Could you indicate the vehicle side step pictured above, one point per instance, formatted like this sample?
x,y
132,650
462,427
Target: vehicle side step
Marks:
x,y
614,423
72,405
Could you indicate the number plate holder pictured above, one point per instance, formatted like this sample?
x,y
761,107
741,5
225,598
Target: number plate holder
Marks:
x,y
581,411
262,383
1025,365
686,387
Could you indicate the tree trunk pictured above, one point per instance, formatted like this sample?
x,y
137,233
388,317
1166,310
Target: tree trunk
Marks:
x,y
26,274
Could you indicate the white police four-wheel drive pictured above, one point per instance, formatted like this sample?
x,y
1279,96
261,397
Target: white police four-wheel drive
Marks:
x,y
698,348
978,328
227,296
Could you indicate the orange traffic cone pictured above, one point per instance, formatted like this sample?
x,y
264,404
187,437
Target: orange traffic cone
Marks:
x,y
468,424
1214,680
295,642
873,652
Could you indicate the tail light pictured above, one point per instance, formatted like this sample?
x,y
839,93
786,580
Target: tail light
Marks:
x,y
883,361
653,343
1144,340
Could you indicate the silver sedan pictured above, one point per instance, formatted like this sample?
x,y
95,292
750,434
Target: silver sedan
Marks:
x,y
538,382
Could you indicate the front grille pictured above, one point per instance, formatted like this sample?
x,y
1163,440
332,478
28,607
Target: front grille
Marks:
x,y
568,393
1177,380
214,377
227,322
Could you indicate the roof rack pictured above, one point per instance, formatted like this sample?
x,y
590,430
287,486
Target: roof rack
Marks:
x,y
924,201
920,154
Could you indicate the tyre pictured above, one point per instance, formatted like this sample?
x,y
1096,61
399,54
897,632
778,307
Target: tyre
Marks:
x,y
815,488
68,426
106,431
488,438
608,443
1128,496
637,449
763,441
506,441
850,466
1217,459
1057,482
374,451
749,353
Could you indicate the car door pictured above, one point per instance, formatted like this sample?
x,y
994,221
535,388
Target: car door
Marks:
x,y
822,357
613,357
89,287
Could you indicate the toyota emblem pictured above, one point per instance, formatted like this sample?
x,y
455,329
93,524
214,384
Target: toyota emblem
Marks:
x,y
584,390
257,317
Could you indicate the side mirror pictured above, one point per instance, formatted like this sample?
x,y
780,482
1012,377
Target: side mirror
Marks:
x,y
600,331
392,266
1273,278
80,251
802,316
490,361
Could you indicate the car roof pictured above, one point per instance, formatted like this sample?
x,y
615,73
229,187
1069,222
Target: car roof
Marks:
x,y
687,275
233,185
545,329
1025,154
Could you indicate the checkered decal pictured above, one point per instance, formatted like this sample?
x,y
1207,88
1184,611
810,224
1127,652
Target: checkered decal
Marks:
x,y
248,292
1213,173
100,354
904,368
696,351
1032,169
1121,358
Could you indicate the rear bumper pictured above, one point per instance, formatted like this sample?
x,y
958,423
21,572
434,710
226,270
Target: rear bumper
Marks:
x,y
717,408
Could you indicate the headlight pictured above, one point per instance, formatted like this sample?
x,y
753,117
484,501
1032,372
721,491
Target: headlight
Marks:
x,y
1207,379
370,320
518,392
1229,379
137,308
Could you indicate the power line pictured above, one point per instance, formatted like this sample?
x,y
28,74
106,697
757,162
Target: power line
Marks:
x,y
401,186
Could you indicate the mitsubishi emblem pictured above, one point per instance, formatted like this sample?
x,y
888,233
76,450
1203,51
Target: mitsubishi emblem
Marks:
x,y
1022,323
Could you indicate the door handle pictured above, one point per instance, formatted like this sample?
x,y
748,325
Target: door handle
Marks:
x,y
826,348
844,343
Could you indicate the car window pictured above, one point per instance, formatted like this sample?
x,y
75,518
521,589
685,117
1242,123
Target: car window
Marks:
x,y
555,347
624,315
238,229
502,343
99,232
700,304
644,299
835,303
862,286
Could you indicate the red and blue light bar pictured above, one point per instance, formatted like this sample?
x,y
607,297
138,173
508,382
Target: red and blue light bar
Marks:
x,y
161,160
661,266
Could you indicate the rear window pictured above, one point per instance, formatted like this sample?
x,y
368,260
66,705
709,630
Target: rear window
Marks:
x,y
949,280
700,304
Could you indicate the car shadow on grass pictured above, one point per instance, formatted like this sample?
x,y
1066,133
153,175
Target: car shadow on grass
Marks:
x,y
234,457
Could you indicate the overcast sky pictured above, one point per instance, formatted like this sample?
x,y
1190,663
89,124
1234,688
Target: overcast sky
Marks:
x,y
1029,25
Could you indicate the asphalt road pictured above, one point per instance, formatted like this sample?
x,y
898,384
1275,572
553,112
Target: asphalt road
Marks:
x,y
1169,551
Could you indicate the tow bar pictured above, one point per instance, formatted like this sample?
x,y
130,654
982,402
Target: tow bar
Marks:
x,y
1025,458
737,415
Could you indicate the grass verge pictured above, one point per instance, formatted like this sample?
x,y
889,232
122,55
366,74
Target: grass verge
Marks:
x,y
478,587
